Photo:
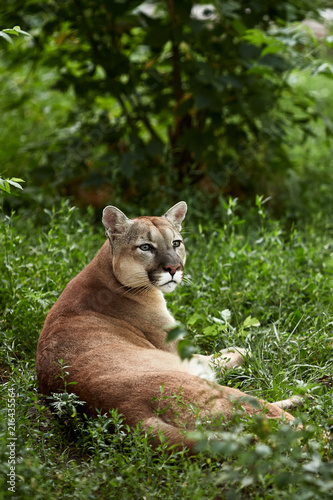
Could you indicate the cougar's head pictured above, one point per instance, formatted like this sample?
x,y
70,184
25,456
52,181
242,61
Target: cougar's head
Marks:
x,y
147,251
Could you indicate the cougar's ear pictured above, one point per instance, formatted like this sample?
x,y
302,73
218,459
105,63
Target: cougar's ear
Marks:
x,y
176,214
115,221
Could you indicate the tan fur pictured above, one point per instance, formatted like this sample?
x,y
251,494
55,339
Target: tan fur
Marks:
x,y
110,324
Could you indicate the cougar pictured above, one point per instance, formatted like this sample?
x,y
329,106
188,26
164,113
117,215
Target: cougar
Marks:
x,y
110,324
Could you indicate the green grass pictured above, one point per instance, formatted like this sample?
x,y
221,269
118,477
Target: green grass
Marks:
x,y
251,283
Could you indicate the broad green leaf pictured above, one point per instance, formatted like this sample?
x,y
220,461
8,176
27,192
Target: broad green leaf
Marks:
x,y
226,315
255,36
239,26
194,319
249,321
16,30
4,185
6,37
17,179
15,184
210,331
273,48
186,349
176,332
12,31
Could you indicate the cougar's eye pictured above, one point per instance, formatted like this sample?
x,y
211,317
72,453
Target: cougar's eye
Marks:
x,y
176,243
146,247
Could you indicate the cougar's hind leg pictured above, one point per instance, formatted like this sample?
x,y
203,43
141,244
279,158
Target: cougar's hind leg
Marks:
x,y
173,435
290,403
230,358
167,401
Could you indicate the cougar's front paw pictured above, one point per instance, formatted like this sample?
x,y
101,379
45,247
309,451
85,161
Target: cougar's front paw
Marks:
x,y
231,357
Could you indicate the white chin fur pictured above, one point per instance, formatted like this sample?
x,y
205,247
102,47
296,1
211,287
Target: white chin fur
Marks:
x,y
166,283
167,287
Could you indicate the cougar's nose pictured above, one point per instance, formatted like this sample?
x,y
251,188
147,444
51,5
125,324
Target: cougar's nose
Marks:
x,y
172,269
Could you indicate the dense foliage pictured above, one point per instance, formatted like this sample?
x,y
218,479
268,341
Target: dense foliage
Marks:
x,y
167,93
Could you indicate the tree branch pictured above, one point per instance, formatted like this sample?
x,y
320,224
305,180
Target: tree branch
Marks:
x,y
177,82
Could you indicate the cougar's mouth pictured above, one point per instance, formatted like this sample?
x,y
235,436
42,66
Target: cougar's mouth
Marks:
x,y
170,281
169,285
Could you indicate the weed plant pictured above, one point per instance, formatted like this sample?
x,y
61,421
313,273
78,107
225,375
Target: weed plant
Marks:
x,y
251,283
